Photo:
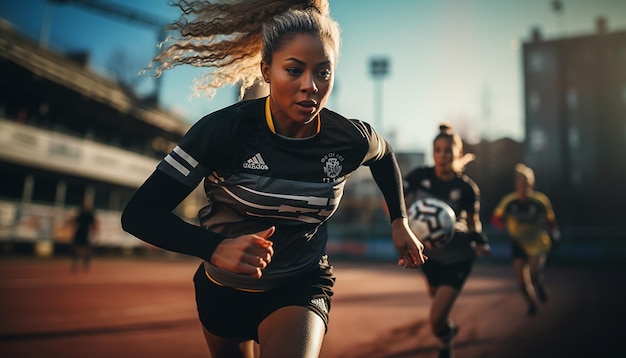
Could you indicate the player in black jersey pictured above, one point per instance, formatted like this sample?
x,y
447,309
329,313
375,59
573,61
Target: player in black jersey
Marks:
x,y
447,268
274,170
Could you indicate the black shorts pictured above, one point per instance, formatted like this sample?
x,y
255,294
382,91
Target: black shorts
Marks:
x,y
455,275
228,312
80,241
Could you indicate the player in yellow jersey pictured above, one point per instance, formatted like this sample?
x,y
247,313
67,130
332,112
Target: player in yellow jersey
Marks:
x,y
528,218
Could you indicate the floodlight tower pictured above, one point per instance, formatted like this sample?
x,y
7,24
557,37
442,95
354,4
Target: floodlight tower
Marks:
x,y
379,69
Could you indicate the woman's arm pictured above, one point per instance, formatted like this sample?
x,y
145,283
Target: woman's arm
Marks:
x,y
386,173
148,215
475,227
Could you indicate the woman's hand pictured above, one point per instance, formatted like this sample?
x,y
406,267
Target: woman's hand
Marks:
x,y
483,250
247,254
410,248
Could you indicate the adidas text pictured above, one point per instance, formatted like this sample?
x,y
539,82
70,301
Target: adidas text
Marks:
x,y
256,163
257,166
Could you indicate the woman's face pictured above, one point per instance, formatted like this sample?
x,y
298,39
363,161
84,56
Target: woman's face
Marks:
x,y
301,77
443,155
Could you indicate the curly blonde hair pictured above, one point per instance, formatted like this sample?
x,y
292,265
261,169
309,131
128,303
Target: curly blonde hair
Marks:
x,y
231,37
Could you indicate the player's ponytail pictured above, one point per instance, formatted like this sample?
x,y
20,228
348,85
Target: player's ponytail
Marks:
x,y
226,37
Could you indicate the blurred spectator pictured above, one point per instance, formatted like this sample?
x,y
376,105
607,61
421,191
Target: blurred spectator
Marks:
x,y
85,225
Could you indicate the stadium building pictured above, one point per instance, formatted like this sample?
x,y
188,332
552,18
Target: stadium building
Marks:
x,y
575,117
65,134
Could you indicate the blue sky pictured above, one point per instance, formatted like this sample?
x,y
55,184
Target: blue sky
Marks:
x,y
450,60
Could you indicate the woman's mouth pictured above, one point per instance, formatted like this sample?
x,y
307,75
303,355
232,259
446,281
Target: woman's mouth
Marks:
x,y
308,105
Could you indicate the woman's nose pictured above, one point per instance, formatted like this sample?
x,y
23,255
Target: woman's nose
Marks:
x,y
308,83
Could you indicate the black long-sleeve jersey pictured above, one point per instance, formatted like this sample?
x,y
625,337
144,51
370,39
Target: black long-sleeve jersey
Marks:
x,y
463,196
265,180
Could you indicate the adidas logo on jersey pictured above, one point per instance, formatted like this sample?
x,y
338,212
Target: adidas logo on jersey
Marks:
x,y
256,162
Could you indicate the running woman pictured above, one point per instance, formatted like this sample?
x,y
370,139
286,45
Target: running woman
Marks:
x,y
448,267
529,220
274,171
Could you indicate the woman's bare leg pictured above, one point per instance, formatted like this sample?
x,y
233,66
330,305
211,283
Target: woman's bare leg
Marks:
x,y
522,275
443,301
441,324
228,347
537,264
291,332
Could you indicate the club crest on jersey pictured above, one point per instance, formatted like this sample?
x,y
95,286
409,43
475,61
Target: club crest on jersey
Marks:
x,y
332,166
455,195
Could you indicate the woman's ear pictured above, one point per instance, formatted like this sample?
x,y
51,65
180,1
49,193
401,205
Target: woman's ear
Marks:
x,y
265,71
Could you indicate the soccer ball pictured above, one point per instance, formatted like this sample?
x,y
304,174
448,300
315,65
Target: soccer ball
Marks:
x,y
432,220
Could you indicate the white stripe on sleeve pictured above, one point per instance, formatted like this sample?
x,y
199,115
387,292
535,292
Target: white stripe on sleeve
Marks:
x,y
178,150
169,159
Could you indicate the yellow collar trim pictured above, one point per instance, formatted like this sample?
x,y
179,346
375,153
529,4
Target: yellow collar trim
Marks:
x,y
270,121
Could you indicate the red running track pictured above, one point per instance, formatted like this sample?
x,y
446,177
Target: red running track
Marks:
x,y
127,307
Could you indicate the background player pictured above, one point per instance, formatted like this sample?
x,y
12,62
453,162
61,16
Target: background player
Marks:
x,y
448,267
85,225
276,169
529,220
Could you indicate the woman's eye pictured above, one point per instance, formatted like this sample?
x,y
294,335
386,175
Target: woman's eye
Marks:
x,y
325,74
294,71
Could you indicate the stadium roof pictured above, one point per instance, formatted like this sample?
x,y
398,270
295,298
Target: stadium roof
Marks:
x,y
68,73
